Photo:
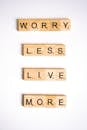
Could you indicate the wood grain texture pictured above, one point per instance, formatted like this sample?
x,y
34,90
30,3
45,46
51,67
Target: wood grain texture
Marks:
x,y
44,74
41,100
62,24
43,50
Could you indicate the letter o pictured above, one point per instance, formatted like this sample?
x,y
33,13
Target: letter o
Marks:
x,y
39,101
34,25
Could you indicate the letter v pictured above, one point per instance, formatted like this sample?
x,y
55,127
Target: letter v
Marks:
x,y
50,75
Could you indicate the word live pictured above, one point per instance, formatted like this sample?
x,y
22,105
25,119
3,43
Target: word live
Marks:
x,y
43,49
44,74
40,100
62,24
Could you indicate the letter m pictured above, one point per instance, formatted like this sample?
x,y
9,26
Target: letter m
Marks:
x,y
29,102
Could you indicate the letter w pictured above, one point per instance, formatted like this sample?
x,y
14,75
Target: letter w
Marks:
x,y
23,25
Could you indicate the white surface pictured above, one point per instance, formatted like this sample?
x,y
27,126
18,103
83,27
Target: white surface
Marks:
x,y
13,116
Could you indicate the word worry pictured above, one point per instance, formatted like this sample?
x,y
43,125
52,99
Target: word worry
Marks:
x,y
48,101
62,24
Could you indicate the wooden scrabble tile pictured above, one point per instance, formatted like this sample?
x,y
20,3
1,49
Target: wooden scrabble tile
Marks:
x,y
62,24
48,101
44,74
43,49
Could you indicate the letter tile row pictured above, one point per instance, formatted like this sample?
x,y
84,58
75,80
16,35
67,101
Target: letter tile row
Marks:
x,y
62,24
41,100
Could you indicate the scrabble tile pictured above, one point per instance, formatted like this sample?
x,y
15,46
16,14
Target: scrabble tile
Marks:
x,y
44,74
62,24
43,49
41,100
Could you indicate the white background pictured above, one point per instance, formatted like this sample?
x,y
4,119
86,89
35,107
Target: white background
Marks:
x,y
13,116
